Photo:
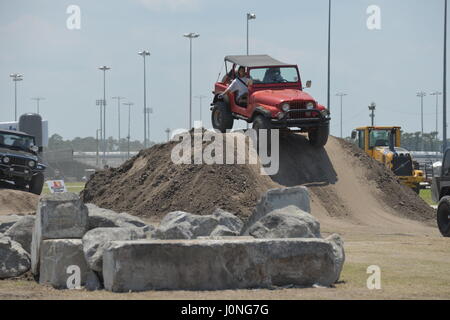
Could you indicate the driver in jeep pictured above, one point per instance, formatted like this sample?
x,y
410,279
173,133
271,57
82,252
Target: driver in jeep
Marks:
x,y
240,86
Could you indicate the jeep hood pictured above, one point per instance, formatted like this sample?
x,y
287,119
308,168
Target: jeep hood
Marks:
x,y
18,153
275,97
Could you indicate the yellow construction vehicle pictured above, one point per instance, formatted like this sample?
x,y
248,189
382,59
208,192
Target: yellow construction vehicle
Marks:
x,y
383,145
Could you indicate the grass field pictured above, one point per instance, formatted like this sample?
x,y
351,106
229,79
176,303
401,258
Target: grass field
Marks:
x,y
425,194
75,187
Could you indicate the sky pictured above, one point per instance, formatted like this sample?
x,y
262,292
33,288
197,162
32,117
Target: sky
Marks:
x,y
387,66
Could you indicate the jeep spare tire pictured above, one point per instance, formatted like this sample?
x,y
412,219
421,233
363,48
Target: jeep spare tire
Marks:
x,y
221,117
318,137
443,216
37,183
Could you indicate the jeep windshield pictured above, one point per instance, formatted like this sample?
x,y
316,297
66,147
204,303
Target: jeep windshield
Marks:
x,y
16,141
274,75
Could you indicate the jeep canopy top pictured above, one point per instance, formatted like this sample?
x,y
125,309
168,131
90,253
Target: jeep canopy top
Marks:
x,y
261,60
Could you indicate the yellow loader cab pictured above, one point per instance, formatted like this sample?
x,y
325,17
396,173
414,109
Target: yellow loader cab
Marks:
x,y
383,145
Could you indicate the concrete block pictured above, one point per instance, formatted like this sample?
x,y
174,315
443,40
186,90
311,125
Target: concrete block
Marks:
x,y
218,264
60,260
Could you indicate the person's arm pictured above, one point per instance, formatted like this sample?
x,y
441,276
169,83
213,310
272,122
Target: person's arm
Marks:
x,y
230,87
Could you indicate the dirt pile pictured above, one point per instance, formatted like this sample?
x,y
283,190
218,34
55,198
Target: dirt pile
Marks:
x,y
17,202
345,184
150,185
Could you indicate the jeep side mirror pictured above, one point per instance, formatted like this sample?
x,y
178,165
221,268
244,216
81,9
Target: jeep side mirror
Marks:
x,y
353,134
40,149
308,84
34,148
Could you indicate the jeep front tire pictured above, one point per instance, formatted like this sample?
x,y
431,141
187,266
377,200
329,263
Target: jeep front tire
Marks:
x,y
221,117
318,137
37,184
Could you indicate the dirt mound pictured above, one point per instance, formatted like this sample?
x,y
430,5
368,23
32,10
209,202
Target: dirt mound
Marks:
x,y
345,185
151,185
17,202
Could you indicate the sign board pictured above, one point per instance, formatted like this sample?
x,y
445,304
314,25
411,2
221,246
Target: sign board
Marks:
x,y
56,186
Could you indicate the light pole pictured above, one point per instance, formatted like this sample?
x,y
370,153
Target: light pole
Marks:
x,y
372,109
98,145
421,94
200,98
250,16
329,55
168,134
129,104
99,102
118,98
104,69
444,89
190,36
341,95
144,54
16,77
37,99
147,113
437,94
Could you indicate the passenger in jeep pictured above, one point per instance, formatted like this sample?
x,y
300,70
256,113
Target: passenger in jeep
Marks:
x,y
240,86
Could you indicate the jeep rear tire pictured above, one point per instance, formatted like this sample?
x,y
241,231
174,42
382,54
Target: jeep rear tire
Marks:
x,y
443,216
263,123
37,183
221,117
319,136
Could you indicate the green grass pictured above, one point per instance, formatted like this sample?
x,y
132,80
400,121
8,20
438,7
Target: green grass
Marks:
x,y
425,194
75,187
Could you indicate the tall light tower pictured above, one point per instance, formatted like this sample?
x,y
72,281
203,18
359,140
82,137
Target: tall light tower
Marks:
x,y
148,112
190,36
444,87
250,16
118,98
372,109
168,134
16,77
421,94
145,53
341,95
104,69
200,98
329,56
437,94
37,99
129,104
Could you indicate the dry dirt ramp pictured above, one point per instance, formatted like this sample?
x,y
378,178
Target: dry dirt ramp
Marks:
x,y
350,190
17,202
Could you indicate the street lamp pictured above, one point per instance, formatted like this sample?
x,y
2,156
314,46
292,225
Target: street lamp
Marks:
x,y
16,77
437,94
104,69
168,134
329,56
37,99
200,97
118,98
444,87
250,16
129,104
147,113
190,36
421,94
372,109
341,94
144,54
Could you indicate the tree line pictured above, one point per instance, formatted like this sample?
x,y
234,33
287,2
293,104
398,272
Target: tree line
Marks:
x,y
90,144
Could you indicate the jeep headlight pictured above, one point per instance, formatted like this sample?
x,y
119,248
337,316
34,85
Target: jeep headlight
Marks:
x,y
310,106
31,163
6,160
285,107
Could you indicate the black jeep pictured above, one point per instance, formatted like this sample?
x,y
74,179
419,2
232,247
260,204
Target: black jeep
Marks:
x,y
20,162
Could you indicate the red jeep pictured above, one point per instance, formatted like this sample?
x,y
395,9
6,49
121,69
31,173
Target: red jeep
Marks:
x,y
276,99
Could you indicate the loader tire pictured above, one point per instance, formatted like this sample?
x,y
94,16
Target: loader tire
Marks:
x,y
443,216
